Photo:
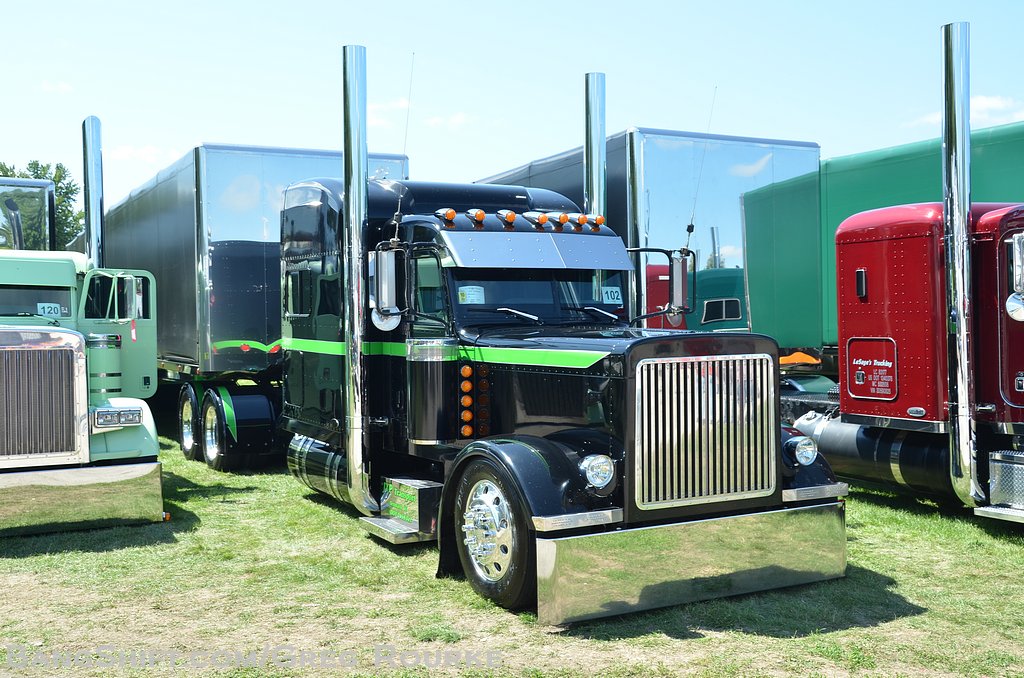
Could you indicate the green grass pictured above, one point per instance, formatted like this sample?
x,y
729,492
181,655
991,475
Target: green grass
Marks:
x,y
255,560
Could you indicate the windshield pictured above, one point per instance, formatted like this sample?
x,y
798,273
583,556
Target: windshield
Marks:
x,y
52,302
557,296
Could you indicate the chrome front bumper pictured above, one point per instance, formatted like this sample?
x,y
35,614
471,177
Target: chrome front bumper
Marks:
x,y
612,573
57,500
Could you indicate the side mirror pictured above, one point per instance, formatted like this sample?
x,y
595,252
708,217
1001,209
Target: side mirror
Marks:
x,y
1015,302
385,314
132,298
677,288
1018,263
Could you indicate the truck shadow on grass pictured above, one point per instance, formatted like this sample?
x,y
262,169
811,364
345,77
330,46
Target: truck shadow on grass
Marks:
x,y
886,498
862,599
350,513
119,534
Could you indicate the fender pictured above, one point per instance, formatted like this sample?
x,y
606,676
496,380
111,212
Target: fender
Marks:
x,y
249,417
546,476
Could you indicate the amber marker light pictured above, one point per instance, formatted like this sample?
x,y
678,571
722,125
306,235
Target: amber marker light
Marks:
x,y
477,216
467,415
466,371
466,401
466,386
508,217
538,219
466,431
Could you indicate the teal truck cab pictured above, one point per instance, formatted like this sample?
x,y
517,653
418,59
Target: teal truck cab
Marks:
x,y
78,447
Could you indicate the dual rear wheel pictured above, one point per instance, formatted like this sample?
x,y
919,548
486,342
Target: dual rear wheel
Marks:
x,y
201,428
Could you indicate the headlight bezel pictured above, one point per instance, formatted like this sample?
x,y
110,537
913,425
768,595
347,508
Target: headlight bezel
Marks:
x,y
598,469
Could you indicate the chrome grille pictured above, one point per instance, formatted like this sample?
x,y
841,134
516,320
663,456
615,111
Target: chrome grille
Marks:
x,y
706,430
43,407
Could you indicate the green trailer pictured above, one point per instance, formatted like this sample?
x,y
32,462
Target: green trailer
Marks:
x,y
789,240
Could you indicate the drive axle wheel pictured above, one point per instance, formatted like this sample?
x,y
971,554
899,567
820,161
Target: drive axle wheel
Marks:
x,y
214,433
188,423
496,548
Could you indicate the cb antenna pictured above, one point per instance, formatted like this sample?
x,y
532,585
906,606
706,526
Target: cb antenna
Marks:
x,y
405,143
700,170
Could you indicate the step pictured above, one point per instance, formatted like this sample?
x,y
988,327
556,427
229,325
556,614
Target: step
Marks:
x,y
395,531
1014,515
1006,478
408,511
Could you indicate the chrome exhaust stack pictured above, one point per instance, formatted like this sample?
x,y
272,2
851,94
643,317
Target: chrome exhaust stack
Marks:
x,y
594,147
355,216
956,191
92,153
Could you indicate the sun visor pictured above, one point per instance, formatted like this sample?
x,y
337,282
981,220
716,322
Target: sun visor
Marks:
x,y
517,249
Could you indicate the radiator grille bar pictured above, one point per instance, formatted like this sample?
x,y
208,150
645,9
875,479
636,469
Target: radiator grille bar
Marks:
x,y
706,430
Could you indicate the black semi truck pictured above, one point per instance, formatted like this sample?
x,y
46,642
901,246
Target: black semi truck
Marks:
x,y
459,365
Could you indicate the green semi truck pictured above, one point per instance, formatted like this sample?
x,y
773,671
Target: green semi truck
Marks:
x,y
78,446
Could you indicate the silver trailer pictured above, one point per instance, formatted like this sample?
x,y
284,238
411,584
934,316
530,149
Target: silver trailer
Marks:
x,y
661,181
208,228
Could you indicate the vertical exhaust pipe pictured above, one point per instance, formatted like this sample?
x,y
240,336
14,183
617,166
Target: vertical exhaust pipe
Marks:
x,y
956,191
594,147
92,154
356,211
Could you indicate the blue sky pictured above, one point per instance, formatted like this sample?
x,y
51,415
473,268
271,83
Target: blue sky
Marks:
x,y
494,85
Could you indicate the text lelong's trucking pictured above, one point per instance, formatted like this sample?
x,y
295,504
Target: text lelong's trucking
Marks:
x,y
458,367
78,447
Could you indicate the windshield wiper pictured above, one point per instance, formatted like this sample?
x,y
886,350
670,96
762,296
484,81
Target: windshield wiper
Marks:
x,y
594,310
511,311
23,314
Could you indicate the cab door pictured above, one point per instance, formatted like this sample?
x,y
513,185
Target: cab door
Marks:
x,y
117,315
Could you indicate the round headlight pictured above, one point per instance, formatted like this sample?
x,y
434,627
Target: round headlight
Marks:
x,y
599,469
805,450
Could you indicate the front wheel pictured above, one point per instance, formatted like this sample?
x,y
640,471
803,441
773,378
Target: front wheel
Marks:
x,y
214,433
496,547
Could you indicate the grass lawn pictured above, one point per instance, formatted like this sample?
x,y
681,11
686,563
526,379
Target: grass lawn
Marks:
x,y
256,560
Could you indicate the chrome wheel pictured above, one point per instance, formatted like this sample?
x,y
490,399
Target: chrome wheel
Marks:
x,y
211,434
188,436
487,526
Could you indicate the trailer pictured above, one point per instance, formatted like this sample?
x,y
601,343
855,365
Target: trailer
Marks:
x,y
208,227
78,447
929,307
460,366
659,182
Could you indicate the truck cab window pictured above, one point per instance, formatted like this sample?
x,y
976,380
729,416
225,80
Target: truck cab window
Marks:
x,y
117,297
561,296
51,302
298,297
431,298
716,310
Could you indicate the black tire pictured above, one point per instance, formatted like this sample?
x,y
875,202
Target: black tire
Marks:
x,y
508,574
188,423
215,442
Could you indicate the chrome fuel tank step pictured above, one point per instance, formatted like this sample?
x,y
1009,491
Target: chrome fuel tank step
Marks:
x,y
408,511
